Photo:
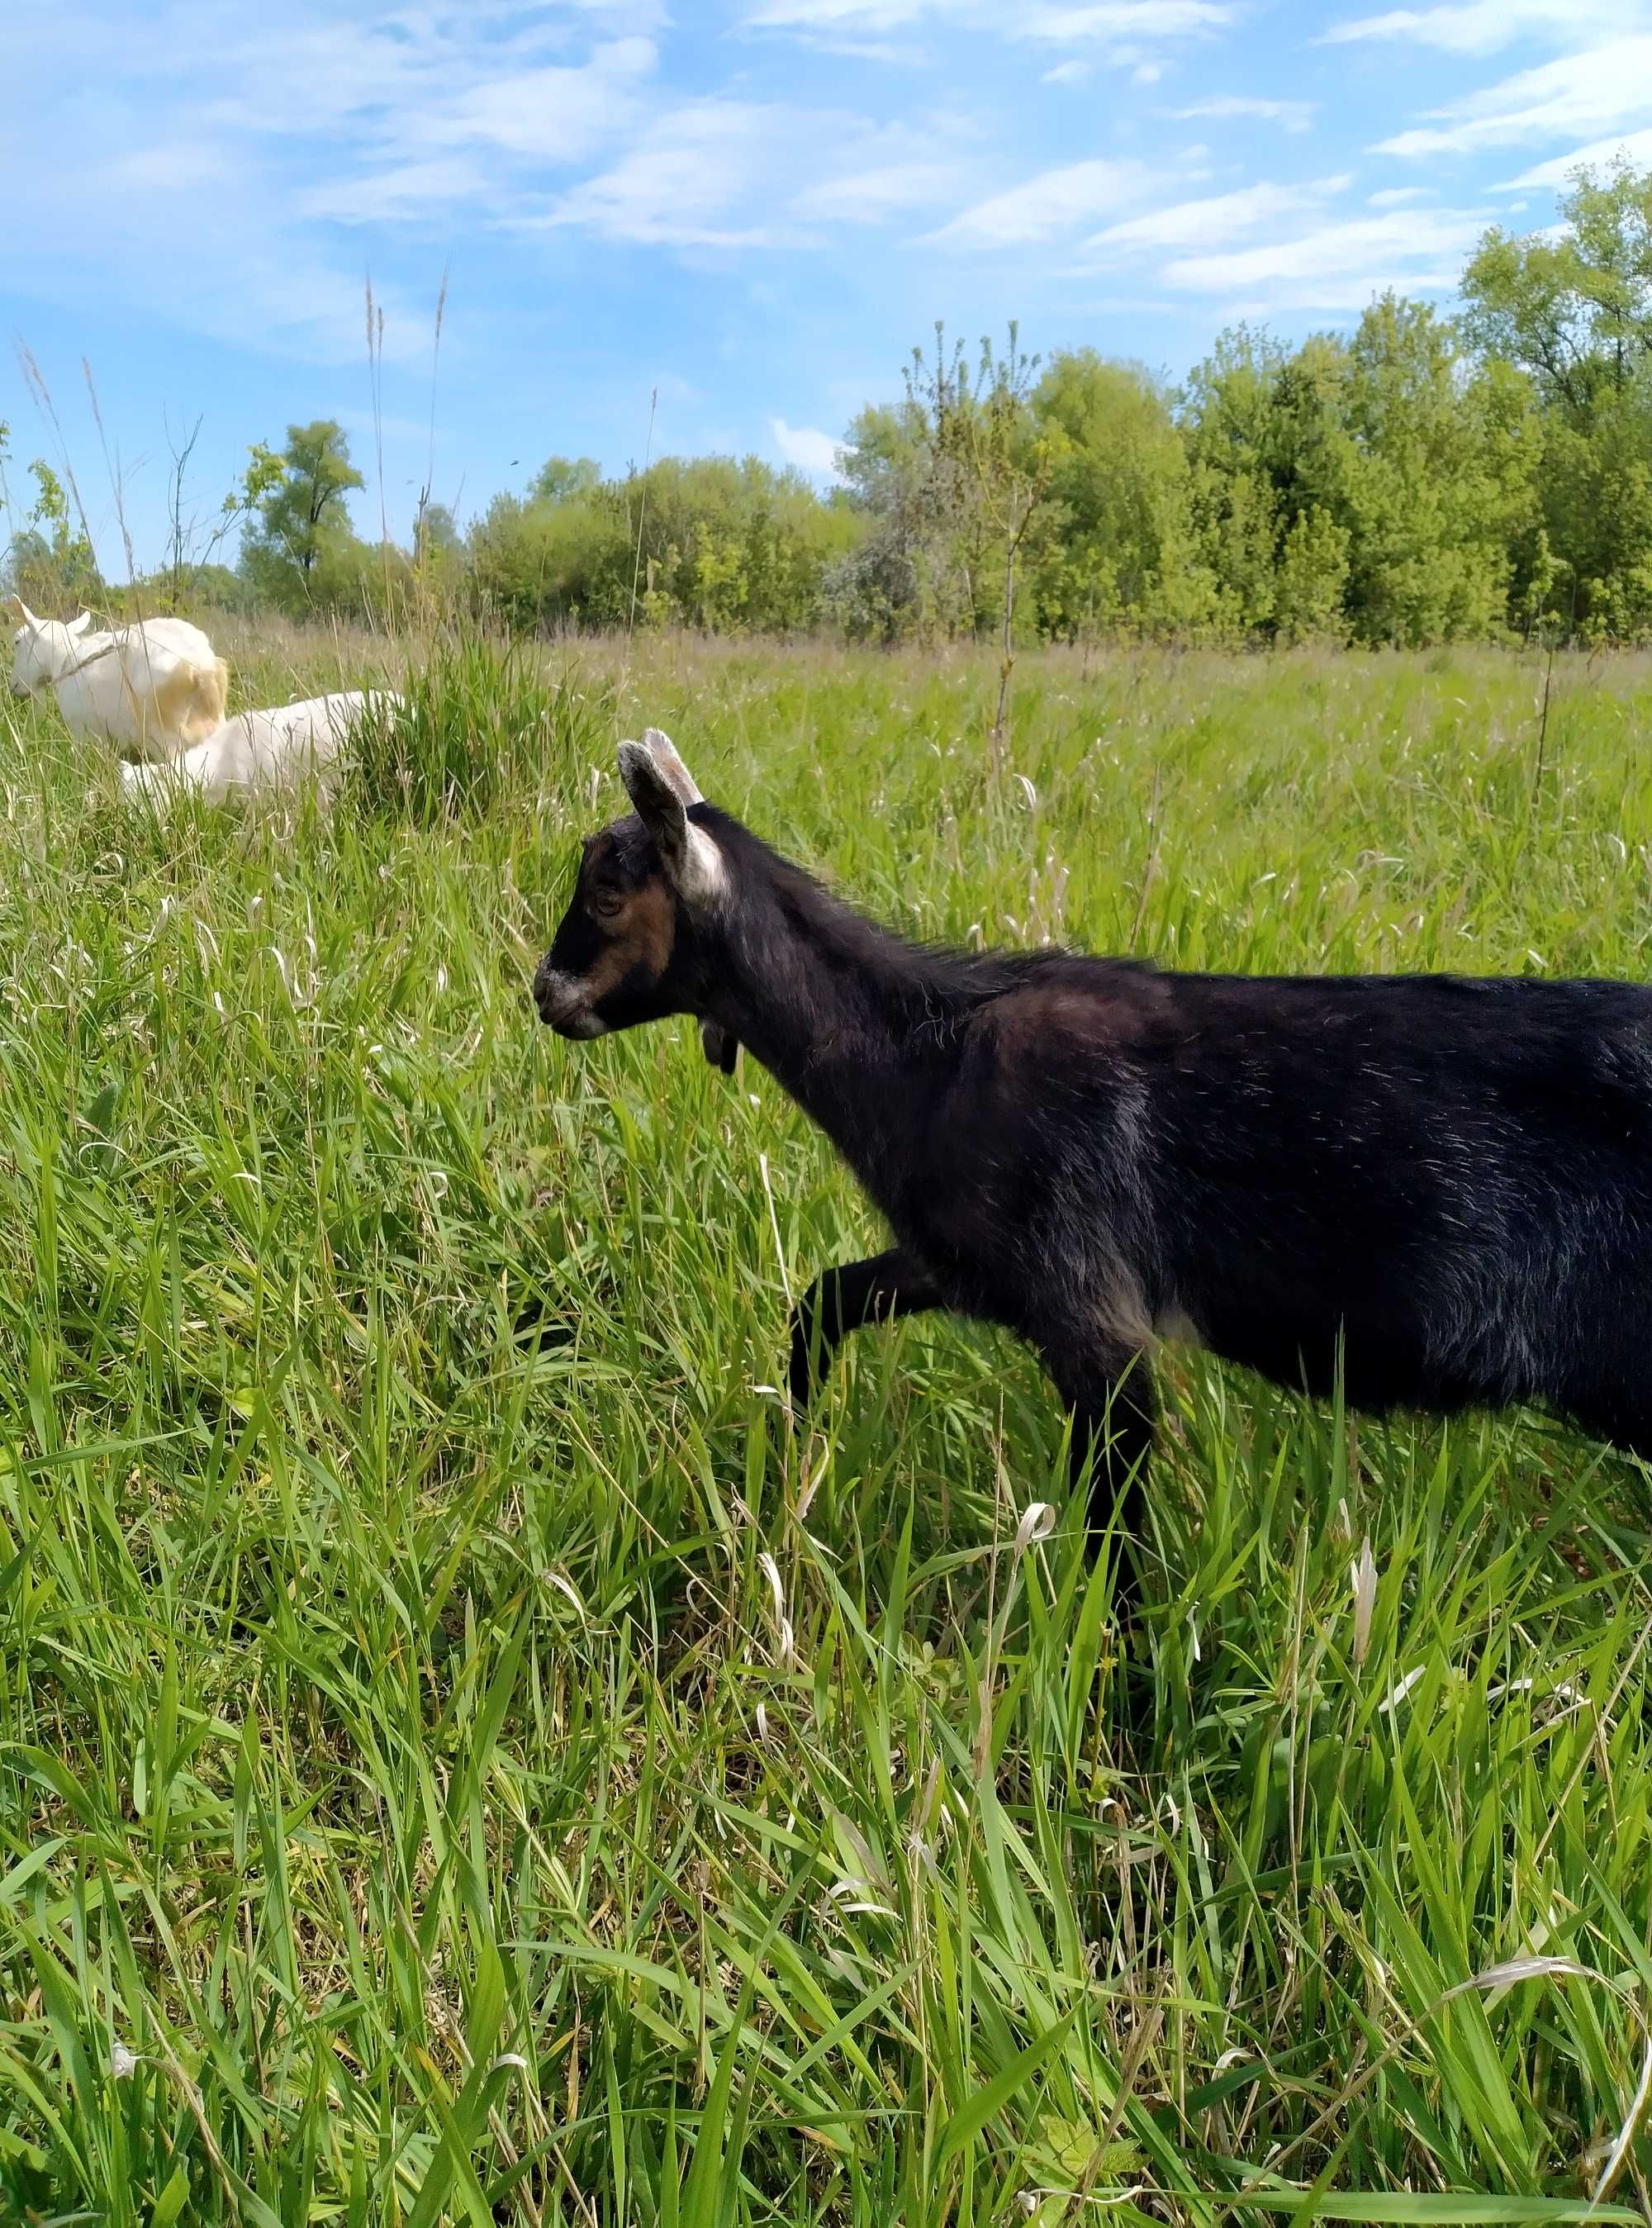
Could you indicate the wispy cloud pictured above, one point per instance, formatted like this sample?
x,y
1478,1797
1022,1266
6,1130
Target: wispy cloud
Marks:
x,y
715,174
1295,115
385,119
1398,196
554,114
1215,219
848,15
1589,92
488,125
1337,266
1486,27
1073,72
1632,147
701,177
406,190
807,447
1142,20
1053,202
869,196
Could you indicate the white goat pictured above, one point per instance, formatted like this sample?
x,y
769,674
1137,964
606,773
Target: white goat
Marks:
x,y
159,685
259,750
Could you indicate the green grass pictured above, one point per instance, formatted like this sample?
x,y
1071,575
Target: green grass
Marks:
x,y
463,1758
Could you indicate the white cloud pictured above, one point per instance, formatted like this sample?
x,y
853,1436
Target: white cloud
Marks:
x,y
1070,72
1144,20
258,281
1217,218
553,114
1054,201
406,190
731,174
1398,196
187,169
1632,147
1295,115
703,177
1122,19
396,78
1590,92
383,118
807,447
1485,27
868,196
849,15
1337,266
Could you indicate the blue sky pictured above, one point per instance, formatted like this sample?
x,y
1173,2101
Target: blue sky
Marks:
x,y
755,206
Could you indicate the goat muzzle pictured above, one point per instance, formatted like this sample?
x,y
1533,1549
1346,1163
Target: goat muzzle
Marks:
x,y
563,1005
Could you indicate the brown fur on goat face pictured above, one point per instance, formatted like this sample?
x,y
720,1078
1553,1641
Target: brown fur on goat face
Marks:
x,y
1441,1186
616,943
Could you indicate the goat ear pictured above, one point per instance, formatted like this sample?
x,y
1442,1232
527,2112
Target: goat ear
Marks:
x,y
694,865
17,604
664,751
79,626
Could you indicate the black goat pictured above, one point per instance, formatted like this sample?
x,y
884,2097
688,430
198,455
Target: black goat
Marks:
x,y
1450,1180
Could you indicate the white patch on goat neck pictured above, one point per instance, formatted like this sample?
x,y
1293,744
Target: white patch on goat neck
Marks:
x,y
1123,1317
1173,1328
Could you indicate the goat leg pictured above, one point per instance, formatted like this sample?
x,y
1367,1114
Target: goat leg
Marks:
x,y
1114,1407
840,1300
719,1045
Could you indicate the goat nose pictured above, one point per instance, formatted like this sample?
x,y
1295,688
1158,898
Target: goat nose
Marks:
x,y
550,994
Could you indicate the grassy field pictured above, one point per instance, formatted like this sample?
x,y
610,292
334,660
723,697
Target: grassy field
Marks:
x,y
462,1757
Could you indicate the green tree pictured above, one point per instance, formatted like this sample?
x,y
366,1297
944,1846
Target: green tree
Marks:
x,y
1310,587
1573,307
1573,311
1432,475
566,479
300,550
950,482
1116,545
51,563
728,545
1257,421
884,586
1380,487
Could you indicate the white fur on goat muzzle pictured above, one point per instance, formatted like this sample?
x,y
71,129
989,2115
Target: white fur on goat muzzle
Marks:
x,y
563,1005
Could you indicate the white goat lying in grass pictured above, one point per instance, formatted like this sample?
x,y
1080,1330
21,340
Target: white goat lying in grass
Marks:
x,y
260,750
159,685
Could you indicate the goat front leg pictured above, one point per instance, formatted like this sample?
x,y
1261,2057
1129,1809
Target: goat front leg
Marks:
x,y
1114,1406
840,1300
720,1045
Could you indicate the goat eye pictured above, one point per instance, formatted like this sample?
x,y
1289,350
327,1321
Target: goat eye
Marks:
x,y
607,905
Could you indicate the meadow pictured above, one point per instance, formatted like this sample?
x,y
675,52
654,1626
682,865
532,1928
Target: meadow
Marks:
x,y
465,1757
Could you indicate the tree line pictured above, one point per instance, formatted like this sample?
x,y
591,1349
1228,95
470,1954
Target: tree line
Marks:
x,y
1426,478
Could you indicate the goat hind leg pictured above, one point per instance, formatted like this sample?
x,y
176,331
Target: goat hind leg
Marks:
x,y
1114,1406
